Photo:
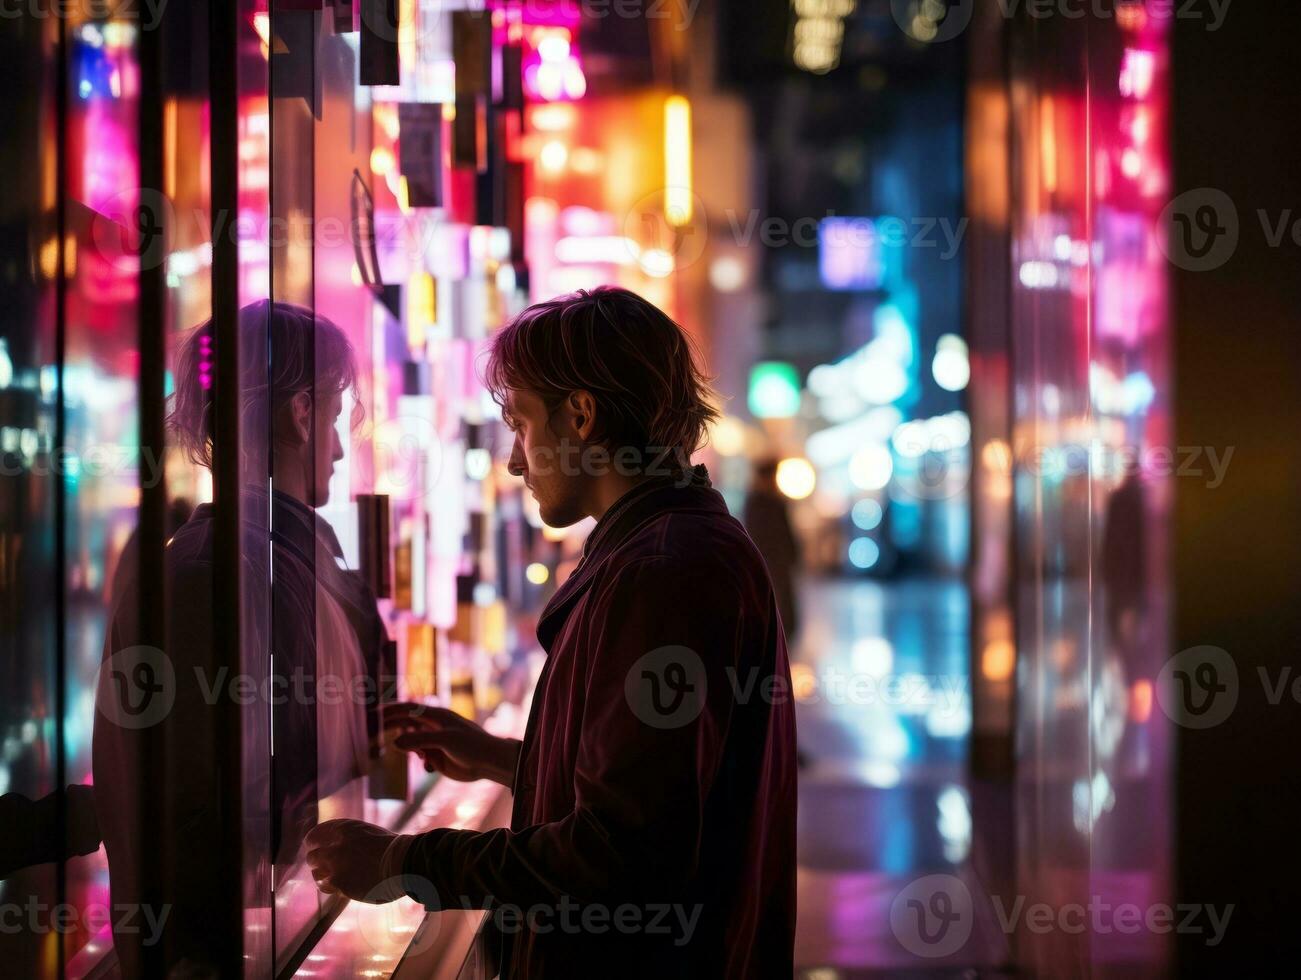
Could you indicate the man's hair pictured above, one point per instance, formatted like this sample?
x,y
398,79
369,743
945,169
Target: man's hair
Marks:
x,y
639,365
284,349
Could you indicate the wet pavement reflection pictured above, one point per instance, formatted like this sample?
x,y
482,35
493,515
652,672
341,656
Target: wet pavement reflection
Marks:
x,y
881,675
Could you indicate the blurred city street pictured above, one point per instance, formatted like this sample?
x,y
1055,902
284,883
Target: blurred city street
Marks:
x,y
884,794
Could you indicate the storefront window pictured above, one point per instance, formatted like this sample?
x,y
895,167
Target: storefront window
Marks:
x,y
1091,491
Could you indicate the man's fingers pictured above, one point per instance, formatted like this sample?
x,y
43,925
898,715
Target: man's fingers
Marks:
x,y
323,833
409,713
326,886
428,746
421,715
402,721
330,832
421,741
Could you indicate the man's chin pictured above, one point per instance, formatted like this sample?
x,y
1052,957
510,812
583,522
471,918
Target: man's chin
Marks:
x,y
558,519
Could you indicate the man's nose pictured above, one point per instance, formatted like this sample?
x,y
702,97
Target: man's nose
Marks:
x,y
515,465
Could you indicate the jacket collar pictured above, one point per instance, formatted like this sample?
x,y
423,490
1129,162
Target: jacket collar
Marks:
x,y
688,491
287,521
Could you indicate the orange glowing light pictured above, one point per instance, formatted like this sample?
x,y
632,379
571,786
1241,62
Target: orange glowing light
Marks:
x,y
677,161
997,456
1140,701
1048,144
381,160
541,209
804,682
262,28
998,660
554,117
554,156
1131,16
585,160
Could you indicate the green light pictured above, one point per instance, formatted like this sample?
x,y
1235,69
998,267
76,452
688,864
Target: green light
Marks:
x,y
774,390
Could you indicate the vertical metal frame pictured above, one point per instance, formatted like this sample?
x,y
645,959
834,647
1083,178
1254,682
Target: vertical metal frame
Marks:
x,y
223,35
152,790
60,439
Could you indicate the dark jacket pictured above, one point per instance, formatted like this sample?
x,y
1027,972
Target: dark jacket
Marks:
x,y
653,829
185,854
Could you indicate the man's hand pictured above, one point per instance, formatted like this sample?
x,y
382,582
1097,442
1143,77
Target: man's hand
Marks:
x,y
347,857
452,745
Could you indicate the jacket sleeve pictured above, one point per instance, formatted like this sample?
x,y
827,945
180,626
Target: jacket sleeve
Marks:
x,y
656,710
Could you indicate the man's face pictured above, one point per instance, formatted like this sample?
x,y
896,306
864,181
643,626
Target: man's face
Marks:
x,y
547,454
328,446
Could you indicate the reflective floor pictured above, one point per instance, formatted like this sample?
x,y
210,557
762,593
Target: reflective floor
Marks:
x,y
884,717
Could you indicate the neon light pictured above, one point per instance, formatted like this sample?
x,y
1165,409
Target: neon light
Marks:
x,y
677,161
774,390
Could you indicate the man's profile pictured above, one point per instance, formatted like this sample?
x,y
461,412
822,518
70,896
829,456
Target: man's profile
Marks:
x,y
653,825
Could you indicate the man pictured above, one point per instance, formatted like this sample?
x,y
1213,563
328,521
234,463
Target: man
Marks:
x,y
767,520
314,620
653,827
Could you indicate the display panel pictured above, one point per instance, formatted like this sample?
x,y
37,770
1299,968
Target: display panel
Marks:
x,y
337,507
1091,478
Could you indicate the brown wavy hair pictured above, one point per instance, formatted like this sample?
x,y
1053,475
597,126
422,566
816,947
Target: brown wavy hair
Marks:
x,y
284,349
640,366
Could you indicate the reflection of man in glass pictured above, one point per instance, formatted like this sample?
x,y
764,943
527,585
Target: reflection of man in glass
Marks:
x,y
312,618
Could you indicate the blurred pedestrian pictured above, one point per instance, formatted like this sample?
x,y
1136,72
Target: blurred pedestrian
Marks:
x,y
768,520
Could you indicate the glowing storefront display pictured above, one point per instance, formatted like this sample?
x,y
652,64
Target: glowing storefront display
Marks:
x,y
1090,390
324,167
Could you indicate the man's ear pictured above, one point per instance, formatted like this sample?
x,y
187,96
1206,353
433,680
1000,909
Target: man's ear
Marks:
x,y
582,412
297,416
